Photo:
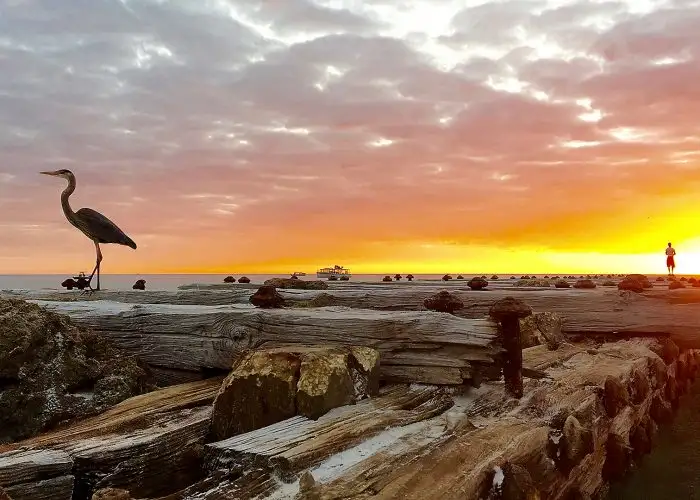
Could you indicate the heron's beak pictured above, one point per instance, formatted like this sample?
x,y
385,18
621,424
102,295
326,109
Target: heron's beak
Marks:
x,y
49,173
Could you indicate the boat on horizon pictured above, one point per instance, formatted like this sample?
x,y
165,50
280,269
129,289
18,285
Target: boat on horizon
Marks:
x,y
334,273
299,274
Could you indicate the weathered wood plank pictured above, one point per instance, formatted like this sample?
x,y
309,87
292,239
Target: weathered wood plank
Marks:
x,y
297,443
56,488
196,337
133,413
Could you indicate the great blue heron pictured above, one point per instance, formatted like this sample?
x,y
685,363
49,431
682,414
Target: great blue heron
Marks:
x,y
93,224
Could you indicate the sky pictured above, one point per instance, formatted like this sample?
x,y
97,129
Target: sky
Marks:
x,y
385,135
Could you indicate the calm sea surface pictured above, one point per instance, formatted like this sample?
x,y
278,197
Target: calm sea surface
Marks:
x,y
171,281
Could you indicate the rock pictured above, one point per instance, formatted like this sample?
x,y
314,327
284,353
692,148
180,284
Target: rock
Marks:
x,y
111,494
260,391
410,277
584,284
325,382
4,495
52,371
615,396
345,277
229,279
692,281
660,279
641,437
477,283
307,485
576,443
387,279
617,458
639,387
674,285
609,283
561,284
684,278
509,482
660,410
244,279
509,307
494,277
70,283
460,277
447,277
533,282
541,328
443,302
267,297
631,285
641,278
296,284
139,285
269,386
397,277
512,277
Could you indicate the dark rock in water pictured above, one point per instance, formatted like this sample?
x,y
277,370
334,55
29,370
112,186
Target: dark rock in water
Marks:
x,y
660,279
410,277
512,277
674,285
267,297
684,278
397,277
692,280
387,279
52,371
229,279
641,278
294,277
244,279
460,277
70,283
477,283
345,278
494,277
443,302
296,284
139,285
447,277
630,284
584,284
561,284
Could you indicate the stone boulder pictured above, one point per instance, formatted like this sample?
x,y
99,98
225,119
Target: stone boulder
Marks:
x,y
387,279
631,285
296,283
410,277
585,284
533,282
675,285
244,279
111,494
477,283
139,285
4,495
447,277
542,328
643,279
52,371
267,297
561,284
460,277
271,385
229,279
443,302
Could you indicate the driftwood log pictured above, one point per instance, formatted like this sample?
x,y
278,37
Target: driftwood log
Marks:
x,y
147,444
415,346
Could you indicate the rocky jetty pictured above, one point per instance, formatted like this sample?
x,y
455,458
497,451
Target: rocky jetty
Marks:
x,y
296,284
52,371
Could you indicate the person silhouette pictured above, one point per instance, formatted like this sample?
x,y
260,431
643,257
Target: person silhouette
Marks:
x,y
670,260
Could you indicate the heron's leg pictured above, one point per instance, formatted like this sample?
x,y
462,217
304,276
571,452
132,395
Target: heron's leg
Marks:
x,y
97,268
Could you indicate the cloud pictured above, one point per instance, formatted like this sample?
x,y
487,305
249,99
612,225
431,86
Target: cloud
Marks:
x,y
236,125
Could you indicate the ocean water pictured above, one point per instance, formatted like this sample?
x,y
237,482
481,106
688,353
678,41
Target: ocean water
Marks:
x,y
169,282
166,282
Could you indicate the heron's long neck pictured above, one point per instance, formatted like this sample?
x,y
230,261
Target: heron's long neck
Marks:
x,y
64,199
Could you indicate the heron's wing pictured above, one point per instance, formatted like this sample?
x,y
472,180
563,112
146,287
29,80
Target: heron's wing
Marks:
x,y
99,227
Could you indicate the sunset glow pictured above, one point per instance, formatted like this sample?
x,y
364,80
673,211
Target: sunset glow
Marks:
x,y
431,136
